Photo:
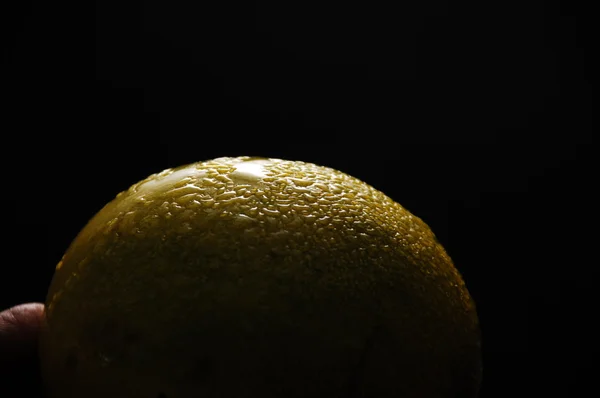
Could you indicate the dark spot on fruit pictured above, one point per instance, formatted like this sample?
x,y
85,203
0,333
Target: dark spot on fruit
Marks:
x,y
110,326
132,337
71,361
355,381
203,368
274,254
161,395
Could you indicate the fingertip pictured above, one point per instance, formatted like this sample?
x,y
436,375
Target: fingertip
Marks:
x,y
19,363
19,326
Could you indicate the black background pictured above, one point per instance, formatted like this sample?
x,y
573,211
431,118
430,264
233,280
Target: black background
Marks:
x,y
477,118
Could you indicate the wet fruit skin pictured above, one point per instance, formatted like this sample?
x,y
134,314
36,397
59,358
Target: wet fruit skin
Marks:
x,y
251,277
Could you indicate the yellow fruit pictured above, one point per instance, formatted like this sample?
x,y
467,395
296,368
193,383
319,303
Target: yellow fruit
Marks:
x,y
258,278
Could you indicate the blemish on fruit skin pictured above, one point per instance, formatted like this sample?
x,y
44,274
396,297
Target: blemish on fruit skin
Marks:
x,y
203,368
132,337
71,361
